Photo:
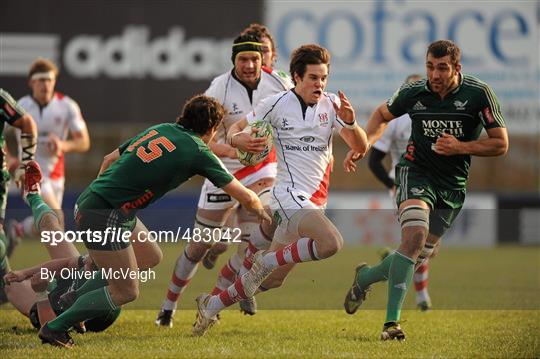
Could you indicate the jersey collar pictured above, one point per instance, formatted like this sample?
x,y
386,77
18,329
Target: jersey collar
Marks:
x,y
248,89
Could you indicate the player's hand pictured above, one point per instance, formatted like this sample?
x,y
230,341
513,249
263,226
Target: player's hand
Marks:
x,y
349,163
16,276
248,143
231,153
263,215
38,284
54,144
346,110
447,145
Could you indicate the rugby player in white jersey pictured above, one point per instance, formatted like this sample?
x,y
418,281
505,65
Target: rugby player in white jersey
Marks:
x,y
238,90
394,141
61,129
303,120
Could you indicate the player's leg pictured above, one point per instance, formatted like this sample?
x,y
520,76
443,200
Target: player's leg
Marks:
x,y
213,210
120,290
147,252
421,274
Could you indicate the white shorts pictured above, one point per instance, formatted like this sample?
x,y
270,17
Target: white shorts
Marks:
x,y
53,188
215,198
289,206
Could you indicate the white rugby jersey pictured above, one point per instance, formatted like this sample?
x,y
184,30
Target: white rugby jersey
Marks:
x,y
234,96
394,140
59,116
304,144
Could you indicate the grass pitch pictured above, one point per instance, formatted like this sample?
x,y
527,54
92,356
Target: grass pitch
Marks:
x,y
486,305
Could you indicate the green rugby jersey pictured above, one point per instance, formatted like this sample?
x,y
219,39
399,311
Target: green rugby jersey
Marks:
x,y
154,162
10,112
462,113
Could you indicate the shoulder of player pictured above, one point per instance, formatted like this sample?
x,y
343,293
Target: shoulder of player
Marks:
x,y
473,83
277,76
414,87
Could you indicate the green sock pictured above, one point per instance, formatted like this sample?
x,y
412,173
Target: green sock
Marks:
x,y
4,263
399,280
39,207
90,305
96,282
370,275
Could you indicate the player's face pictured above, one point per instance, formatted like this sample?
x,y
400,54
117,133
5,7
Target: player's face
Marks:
x,y
247,67
268,55
442,75
312,85
43,89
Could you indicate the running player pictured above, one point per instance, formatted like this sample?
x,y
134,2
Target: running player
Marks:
x,y
448,111
303,120
394,142
15,116
238,90
163,157
56,116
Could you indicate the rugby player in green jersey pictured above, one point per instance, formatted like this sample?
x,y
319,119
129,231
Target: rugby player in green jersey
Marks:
x,y
133,176
448,111
14,115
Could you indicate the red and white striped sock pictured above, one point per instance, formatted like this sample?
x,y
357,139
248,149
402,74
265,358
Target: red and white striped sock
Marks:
x,y
227,275
234,293
421,282
303,250
184,270
248,259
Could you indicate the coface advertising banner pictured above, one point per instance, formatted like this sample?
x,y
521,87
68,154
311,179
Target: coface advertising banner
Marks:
x,y
376,44
132,61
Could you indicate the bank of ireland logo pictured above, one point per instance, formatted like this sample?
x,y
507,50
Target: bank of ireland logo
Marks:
x,y
460,106
323,119
417,191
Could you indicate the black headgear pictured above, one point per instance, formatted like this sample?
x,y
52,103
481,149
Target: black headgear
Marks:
x,y
245,43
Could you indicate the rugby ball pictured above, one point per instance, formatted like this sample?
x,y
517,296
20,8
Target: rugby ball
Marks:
x,y
264,130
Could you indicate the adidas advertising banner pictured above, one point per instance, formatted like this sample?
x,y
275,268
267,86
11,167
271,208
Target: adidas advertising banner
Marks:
x,y
135,61
376,44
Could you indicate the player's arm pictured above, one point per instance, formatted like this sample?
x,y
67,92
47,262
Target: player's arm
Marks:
x,y
496,144
24,122
352,134
243,140
247,198
375,164
222,149
54,265
79,142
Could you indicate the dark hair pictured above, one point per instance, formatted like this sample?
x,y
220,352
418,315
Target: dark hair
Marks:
x,y
42,65
261,32
442,48
246,42
200,114
308,55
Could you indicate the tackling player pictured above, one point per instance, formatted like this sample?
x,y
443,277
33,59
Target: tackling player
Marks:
x,y
163,157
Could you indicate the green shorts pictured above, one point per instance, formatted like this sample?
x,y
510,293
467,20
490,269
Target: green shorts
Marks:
x,y
445,204
102,226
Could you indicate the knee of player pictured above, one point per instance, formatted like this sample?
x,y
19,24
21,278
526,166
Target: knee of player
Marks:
x,y
195,251
154,258
130,294
330,246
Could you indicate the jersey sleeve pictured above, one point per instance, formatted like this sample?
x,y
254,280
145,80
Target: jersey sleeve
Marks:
x,y
208,165
266,110
490,113
10,111
396,103
75,119
385,141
